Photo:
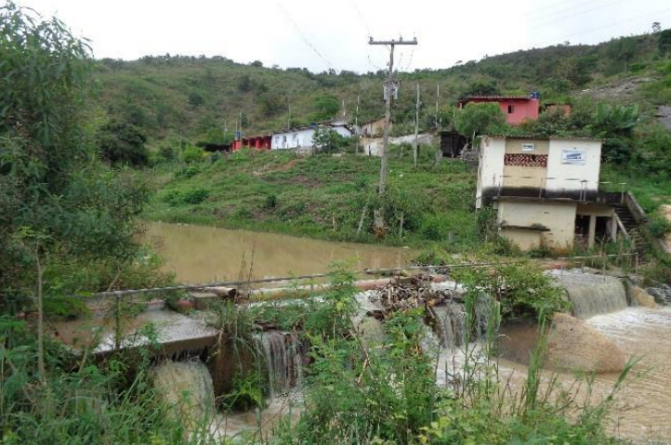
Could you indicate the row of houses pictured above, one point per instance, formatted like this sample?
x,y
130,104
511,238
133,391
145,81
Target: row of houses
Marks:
x,y
303,137
517,110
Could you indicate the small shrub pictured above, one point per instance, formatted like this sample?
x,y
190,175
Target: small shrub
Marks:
x,y
172,197
434,228
659,226
166,152
430,257
191,196
188,172
243,213
292,211
193,154
270,202
195,196
216,156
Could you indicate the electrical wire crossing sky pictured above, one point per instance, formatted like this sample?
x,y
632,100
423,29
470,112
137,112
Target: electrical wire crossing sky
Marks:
x,y
334,36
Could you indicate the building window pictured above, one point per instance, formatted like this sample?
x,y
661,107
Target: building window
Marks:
x,y
511,109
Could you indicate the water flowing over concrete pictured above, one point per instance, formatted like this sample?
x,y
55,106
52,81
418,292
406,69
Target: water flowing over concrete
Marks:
x,y
452,324
187,388
281,354
593,294
199,254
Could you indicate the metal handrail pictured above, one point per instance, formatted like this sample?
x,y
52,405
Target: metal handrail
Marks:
x,y
583,191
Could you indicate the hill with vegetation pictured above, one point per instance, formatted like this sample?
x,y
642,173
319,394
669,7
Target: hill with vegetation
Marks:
x,y
194,97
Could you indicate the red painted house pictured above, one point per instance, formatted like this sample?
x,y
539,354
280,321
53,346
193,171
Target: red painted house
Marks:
x,y
256,142
516,108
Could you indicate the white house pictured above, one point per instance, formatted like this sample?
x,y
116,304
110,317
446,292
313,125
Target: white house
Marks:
x,y
373,128
545,190
303,137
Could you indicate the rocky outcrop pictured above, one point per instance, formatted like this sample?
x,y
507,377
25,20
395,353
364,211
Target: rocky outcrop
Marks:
x,y
640,297
661,294
573,345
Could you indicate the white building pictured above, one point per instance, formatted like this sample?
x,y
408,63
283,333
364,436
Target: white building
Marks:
x,y
546,191
303,137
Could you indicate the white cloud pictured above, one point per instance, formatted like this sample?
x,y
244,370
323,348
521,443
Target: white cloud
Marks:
x,y
291,32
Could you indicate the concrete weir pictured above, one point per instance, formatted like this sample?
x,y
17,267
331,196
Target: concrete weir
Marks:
x,y
175,333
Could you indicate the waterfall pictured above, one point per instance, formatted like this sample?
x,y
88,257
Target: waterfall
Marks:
x,y
593,294
281,353
187,388
452,324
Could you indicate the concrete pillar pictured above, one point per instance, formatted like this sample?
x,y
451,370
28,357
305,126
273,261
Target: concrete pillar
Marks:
x,y
613,228
592,231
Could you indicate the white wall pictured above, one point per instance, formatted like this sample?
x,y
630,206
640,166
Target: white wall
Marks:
x,y
303,138
293,139
490,168
565,176
558,217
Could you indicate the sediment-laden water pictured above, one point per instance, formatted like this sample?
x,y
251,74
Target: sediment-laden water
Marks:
x,y
593,294
199,254
641,411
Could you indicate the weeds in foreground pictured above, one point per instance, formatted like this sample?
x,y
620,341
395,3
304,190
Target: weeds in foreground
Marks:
x,y
356,391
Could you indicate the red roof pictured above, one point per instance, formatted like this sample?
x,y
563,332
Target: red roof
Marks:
x,y
469,98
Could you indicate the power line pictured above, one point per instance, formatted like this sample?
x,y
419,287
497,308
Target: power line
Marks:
x,y
589,31
412,54
548,14
550,6
547,22
361,17
304,37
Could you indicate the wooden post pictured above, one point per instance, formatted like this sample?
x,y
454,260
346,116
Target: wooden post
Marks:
x,y
415,147
117,323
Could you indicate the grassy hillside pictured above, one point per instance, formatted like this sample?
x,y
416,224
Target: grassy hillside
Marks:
x,y
323,196
192,97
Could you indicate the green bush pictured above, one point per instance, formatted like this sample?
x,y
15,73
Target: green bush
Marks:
x,y
270,202
659,226
190,196
435,228
193,154
292,211
243,213
188,172
195,196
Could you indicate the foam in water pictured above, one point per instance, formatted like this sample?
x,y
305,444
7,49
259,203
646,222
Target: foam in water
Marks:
x,y
281,352
593,294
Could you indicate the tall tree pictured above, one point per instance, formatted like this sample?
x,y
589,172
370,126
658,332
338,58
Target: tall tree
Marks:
x,y
56,199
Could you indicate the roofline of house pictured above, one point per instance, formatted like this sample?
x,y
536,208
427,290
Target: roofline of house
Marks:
x,y
312,126
372,120
530,136
495,98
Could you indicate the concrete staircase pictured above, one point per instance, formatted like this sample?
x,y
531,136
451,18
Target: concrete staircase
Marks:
x,y
629,223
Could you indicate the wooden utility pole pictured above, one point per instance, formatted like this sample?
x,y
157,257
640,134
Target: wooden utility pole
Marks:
x,y
437,101
356,124
415,148
439,152
389,93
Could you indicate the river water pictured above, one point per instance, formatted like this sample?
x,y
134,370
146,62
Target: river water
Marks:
x,y
642,408
198,254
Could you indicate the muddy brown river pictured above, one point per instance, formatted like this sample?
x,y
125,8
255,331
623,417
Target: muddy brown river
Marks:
x,y
198,254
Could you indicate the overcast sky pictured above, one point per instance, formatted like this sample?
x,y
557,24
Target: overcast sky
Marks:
x,y
318,34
